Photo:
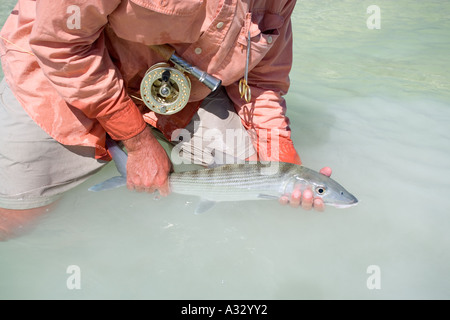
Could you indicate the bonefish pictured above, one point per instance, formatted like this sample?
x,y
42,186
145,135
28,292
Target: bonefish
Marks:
x,y
239,182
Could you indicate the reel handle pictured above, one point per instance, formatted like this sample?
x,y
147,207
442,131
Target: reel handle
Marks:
x,y
168,53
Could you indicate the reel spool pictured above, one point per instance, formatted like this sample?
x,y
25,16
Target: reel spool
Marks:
x,y
164,89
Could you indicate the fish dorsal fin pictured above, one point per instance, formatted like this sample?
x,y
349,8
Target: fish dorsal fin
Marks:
x,y
204,206
112,183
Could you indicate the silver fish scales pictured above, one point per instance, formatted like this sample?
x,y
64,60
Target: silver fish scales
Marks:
x,y
238,182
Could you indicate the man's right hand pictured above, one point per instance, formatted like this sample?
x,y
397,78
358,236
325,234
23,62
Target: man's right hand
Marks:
x,y
306,199
148,166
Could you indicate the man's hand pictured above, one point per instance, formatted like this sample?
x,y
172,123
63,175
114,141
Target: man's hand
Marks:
x,y
306,200
148,166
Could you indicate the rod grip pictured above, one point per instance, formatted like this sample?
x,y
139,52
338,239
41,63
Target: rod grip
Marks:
x,y
164,50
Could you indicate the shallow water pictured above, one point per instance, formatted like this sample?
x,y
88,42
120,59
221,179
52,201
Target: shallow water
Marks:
x,y
371,104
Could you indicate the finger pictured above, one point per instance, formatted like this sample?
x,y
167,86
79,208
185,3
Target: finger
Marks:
x,y
148,185
149,190
163,187
307,199
164,190
139,188
131,185
134,183
318,205
326,171
296,197
284,200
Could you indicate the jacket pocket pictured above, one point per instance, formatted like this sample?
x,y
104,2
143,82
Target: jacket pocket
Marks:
x,y
171,7
264,30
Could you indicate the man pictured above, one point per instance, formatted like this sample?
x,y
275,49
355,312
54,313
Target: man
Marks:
x,y
73,72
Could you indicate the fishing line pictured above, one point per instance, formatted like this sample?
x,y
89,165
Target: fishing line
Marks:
x,y
21,49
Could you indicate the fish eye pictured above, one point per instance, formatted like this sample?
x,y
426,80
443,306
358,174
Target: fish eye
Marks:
x,y
342,193
320,190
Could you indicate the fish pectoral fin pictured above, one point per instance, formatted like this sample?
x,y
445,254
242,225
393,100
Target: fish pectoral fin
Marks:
x,y
112,183
267,196
204,206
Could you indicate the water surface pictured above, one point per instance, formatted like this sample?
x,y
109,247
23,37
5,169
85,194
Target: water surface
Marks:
x,y
371,104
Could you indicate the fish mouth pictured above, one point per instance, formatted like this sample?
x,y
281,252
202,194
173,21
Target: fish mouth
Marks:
x,y
353,202
344,205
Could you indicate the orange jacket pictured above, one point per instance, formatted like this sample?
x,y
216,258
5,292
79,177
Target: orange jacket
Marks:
x,y
73,65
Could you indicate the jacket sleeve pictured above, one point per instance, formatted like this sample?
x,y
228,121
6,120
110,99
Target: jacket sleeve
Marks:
x,y
265,115
68,41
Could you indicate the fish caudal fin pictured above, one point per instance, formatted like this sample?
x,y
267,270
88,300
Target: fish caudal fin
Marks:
x,y
114,182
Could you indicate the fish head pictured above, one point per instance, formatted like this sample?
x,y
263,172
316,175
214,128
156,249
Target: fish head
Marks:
x,y
330,191
334,194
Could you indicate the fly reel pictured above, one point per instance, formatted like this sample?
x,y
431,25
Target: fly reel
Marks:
x,y
164,89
